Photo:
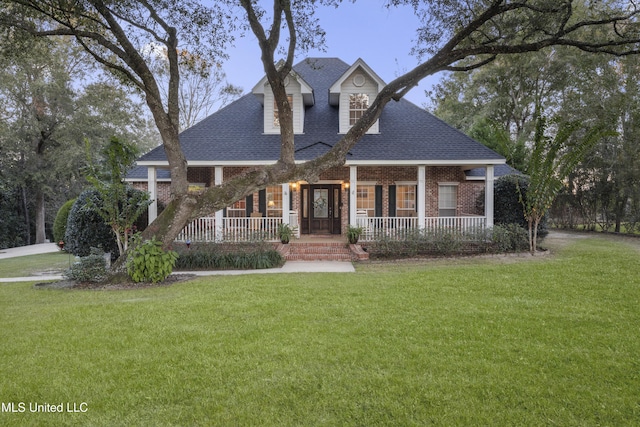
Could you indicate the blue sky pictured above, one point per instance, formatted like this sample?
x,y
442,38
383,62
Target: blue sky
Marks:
x,y
382,37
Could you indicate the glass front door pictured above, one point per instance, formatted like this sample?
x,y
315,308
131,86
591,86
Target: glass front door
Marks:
x,y
321,209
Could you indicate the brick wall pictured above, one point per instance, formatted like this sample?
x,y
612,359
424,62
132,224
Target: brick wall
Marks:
x,y
468,191
201,175
339,173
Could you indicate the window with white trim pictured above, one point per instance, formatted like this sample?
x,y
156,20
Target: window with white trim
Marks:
x,y
405,200
238,209
274,201
276,118
366,199
447,199
358,104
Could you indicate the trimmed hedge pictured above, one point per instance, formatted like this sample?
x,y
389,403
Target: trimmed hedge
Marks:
x,y
228,256
500,239
60,223
86,229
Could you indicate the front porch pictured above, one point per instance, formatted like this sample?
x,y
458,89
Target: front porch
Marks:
x,y
212,229
386,201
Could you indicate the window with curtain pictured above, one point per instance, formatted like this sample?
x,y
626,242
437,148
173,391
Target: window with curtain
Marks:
x,y
366,199
405,200
238,209
274,201
447,200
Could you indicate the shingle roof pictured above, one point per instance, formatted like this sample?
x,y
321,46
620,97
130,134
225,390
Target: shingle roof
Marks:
x,y
499,170
407,132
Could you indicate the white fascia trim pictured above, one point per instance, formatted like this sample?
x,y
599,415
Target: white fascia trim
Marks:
x,y
425,162
165,164
213,163
145,180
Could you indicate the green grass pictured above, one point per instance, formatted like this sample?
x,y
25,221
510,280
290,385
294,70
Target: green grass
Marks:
x,y
553,341
53,263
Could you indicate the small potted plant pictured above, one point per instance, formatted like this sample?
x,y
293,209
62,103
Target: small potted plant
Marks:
x,y
353,234
285,232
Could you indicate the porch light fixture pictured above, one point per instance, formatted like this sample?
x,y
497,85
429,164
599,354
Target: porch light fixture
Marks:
x,y
294,186
346,185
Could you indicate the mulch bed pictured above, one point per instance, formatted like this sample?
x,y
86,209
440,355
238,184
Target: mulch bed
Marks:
x,y
122,285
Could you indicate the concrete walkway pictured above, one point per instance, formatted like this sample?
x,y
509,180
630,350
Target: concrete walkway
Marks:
x,y
41,248
288,267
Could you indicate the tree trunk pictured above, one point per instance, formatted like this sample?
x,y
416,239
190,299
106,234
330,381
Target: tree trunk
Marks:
x,y
25,205
535,236
619,206
531,243
40,216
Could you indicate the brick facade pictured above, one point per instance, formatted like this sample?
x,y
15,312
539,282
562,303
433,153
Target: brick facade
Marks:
x,y
467,193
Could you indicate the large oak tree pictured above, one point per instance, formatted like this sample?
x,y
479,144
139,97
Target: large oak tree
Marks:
x,y
456,35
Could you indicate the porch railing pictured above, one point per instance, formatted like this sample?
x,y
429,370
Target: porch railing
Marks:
x,y
246,229
236,229
399,228
250,229
392,227
199,230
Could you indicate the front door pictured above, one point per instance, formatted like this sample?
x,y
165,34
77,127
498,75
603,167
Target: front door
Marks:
x,y
321,208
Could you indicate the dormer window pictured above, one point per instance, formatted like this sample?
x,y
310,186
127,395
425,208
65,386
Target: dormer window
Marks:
x,y
276,118
353,93
299,95
358,104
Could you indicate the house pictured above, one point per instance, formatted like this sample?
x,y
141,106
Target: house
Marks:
x,y
411,170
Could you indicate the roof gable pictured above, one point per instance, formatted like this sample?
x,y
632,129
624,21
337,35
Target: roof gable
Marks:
x,y
306,90
336,87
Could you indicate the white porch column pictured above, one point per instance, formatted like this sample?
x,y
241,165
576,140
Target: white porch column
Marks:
x,y
488,195
217,180
152,188
422,190
353,191
285,203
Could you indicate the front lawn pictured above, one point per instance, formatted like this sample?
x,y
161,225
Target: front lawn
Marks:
x,y
24,266
553,341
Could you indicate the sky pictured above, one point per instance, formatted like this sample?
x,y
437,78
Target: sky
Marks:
x,y
383,38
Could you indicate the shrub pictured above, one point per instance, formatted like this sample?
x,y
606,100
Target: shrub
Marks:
x,y
86,229
510,238
148,262
226,256
60,223
507,208
91,268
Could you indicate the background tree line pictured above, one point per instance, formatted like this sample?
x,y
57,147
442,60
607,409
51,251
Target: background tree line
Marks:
x,y
497,104
54,100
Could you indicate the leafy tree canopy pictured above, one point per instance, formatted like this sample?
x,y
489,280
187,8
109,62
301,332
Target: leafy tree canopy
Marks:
x,y
456,35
